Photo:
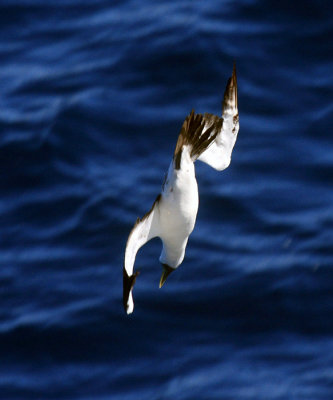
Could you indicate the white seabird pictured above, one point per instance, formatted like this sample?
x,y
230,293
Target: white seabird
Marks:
x,y
207,138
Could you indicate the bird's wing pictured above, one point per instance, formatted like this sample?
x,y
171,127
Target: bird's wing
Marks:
x,y
218,154
144,229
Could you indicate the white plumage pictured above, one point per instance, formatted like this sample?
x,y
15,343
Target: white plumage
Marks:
x,y
207,138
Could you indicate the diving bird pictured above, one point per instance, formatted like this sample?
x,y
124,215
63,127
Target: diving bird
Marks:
x,y
207,138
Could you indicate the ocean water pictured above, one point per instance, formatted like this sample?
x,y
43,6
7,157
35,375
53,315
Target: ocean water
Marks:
x,y
93,95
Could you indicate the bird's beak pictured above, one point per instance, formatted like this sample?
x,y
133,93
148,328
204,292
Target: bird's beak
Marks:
x,y
166,272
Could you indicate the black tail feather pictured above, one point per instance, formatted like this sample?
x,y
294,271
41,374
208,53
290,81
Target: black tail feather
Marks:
x,y
193,134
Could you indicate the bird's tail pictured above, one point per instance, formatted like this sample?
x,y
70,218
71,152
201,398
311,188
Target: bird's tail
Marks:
x,y
194,135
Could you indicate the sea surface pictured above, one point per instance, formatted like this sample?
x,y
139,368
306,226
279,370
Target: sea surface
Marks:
x,y
92,98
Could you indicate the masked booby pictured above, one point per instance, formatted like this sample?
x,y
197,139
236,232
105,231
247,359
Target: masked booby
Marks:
x,y
207,138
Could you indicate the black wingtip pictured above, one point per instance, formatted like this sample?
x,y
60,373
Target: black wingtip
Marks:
x,y
128,283
234,83
230,99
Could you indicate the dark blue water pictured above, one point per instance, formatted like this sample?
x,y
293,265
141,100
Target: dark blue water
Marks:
x,y
92,98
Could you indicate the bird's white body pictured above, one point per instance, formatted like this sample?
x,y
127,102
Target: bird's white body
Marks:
x,y
207,138
172,218
177,210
